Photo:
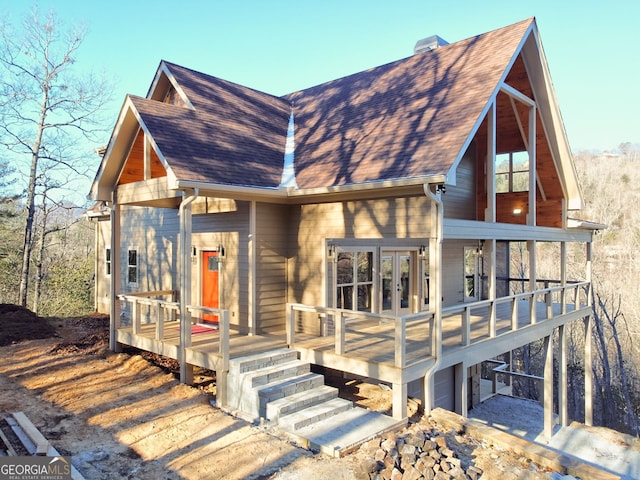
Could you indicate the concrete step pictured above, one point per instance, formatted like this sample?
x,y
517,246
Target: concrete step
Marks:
x,y
294,403
342,433
313,414
290,386
262,360
264,376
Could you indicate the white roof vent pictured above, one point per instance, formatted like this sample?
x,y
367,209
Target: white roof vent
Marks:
x,y
429,43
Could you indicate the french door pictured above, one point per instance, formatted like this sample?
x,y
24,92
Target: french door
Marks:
x,y
397,282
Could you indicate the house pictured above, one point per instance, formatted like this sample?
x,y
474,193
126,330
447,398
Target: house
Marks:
x,y
372,223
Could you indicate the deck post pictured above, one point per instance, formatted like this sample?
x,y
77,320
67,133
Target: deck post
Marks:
x,y
466,327
533,281
461,389
400,341
186,370
159,314
291,325
223,373
562,381
400,398
114,307
340,334
548,387
563,276
588,358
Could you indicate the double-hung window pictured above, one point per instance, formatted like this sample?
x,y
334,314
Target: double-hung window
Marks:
x,y
132,266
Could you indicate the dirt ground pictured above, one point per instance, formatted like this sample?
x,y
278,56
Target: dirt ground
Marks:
x,y
126,416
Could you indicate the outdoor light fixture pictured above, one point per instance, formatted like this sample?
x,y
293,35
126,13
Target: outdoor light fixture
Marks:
x,y
480,248
440,188
422,250
221,252
517,211
331,250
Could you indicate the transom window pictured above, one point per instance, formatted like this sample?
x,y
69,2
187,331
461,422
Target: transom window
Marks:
x,y
354,280
512,172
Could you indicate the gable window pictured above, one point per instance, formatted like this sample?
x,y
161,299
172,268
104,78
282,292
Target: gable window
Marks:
x,y
132,266
512,172
107,261
354,282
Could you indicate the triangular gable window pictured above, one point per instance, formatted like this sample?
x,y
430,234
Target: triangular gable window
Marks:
x,y
174,98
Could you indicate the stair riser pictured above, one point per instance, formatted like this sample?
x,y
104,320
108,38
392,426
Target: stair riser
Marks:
x,y
275,412
291,389
286,372
266,361
315,418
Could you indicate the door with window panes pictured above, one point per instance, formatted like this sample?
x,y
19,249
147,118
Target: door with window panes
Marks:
x,y
397,282
354,279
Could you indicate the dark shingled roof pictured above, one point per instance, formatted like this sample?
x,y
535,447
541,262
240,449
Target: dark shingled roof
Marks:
x,y
234,135
409,118
405,119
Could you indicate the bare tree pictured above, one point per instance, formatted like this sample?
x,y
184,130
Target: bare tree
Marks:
x,y
45,110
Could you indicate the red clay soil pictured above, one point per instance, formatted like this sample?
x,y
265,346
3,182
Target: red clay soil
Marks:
x,y
18,323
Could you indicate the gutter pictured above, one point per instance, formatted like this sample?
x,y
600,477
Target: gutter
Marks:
x,y
289,193
435,256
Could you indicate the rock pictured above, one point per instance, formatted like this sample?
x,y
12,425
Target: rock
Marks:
x,y
388,444
408,450
407,461
441,442
429,445
379,455
416,439
442,476
447,452
411,474
369,465
396,474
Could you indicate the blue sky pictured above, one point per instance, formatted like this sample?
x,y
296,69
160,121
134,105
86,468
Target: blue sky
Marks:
x,y
279,46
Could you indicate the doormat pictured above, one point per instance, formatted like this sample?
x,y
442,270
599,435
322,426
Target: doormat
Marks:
x,y
195,329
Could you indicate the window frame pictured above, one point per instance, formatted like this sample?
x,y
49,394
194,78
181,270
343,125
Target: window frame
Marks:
x,y
510,172
356,283
135,266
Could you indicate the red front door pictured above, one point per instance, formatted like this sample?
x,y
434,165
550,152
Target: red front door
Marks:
x,y
210,285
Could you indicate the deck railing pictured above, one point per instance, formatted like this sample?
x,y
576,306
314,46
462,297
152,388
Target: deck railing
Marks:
x,y
570,297
158,311
399,328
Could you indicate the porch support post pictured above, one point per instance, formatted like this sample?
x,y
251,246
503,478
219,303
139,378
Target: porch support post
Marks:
x,y
533,283
461,389
400,398
251,307
114,281
490,212
563,411
548,387
563,276
491,244
186,371
588,355
531,218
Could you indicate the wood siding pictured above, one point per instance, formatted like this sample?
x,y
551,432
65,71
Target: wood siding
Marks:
x,y
459,201
103,280
382,222
453,271
445,389
228,227
271,266
133,170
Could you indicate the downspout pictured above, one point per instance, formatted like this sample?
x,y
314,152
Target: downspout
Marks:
x,y
435,272
184,213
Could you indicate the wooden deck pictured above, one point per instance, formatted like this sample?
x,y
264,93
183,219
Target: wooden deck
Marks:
x,y
370,348
205,347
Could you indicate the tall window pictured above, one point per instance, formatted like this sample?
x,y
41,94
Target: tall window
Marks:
x,y
354,280
132,266
512,172
107,261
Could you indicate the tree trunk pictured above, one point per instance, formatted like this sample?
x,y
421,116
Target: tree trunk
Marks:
x,y
30,201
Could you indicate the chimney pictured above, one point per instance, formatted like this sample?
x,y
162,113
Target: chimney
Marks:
x,y
429,43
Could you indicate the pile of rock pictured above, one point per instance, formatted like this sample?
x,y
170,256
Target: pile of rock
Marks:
x,y
413,455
